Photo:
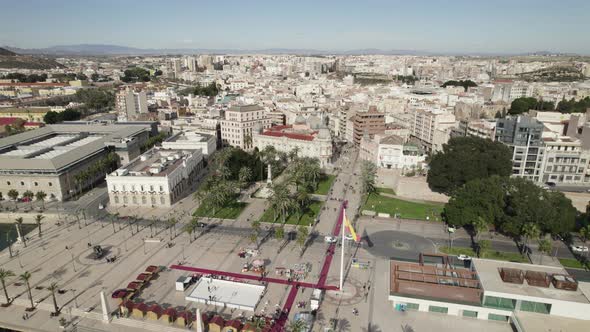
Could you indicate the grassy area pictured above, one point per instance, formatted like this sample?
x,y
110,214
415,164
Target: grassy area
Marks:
x,y
231,211
489,254
572,263
385,191
404,209
325,184
294,218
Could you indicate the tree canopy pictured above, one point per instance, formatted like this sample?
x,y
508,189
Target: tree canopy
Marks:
x,y
466,84
52,117
467,158
96,98
524,104
210,90
512,205
572,106
136,74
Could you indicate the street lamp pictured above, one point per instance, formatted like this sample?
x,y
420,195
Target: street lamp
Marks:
x,y
75,298
72,254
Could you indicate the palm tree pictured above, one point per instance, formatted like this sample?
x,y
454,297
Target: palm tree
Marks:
x,y
258,324
13,194
293,153
18,224
172,225
303,200
40,195
281,201
368,174
585,235
38,219
280,233
25,276
480,225
297,325
4,275
189,228
53,287
529,231
244,175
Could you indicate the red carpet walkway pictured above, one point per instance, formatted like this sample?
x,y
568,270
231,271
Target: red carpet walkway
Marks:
x,y
295,285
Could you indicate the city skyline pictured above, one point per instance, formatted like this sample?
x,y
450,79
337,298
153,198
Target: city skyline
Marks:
x,y
427,26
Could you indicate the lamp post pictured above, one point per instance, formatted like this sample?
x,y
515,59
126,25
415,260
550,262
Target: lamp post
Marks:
x,y
72,254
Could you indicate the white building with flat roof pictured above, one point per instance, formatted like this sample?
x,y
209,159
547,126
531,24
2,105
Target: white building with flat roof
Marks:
x,y
190,140
157,178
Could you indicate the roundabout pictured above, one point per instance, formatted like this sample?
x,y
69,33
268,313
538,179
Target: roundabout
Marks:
x,y
395,244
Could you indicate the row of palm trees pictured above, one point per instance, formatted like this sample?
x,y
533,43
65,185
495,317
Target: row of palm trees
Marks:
x,y
39,196
6,274
102,166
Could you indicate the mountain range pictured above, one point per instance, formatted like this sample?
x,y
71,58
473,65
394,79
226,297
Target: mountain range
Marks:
x,y
99,49
10,59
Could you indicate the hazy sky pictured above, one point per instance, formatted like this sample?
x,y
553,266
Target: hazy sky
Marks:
x,y
434,25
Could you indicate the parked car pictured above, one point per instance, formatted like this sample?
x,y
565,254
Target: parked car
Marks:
x,y
579,248
201,225
100,206
463,257
348,237
330,239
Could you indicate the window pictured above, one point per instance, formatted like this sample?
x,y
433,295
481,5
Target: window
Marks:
x,y
469,313
153,201
162,200
501,318
542,308
499,302
36,184
124,199
50,184
8,183
22,183
434,308
116,199
151,188
134,200
412,306
143,200
161,188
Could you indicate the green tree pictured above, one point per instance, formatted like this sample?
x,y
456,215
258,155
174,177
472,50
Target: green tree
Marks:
x,y
529,231
280,233
38,219
26,276
585,234
467,158
480,225
368,175
4,275
245,175
19,229
524,104
53,287
29,195
281,201
189,228
479,198
482,247
297,325
40,196
302,234
545,246
13,194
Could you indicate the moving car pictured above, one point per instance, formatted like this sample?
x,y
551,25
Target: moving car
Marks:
x,y
579,248
330,239
348,237
463,257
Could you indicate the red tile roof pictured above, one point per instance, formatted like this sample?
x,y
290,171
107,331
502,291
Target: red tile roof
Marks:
x,y
8,121
170,312
217,320
155,308
279,131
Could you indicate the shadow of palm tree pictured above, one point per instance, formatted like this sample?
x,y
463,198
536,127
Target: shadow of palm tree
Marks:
x,y
344,325
371,328
407,328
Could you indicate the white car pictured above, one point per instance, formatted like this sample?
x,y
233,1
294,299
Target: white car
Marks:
x,y
348,237
579,248
330,239
464,258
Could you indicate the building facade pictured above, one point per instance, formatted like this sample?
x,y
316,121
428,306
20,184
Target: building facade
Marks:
x,y
240,123
432,127
130,105
157,178
371,123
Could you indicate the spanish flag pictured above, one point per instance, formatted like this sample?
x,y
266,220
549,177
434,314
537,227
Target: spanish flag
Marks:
x,y
351,229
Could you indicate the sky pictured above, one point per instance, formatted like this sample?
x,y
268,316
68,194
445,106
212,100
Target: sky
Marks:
x,y
452,26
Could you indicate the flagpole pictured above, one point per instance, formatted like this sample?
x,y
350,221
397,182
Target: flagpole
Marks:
x,y
342,255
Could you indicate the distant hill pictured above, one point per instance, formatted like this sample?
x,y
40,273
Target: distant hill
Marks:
x,y
97,49
6,52
10,59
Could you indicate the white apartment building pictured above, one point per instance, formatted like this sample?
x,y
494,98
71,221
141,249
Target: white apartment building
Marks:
x,y
130,104
391,151
564,161
432,127
240,123
157,178
191,140
309,143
